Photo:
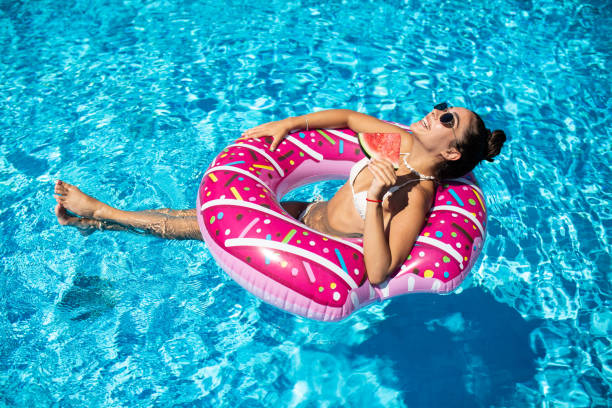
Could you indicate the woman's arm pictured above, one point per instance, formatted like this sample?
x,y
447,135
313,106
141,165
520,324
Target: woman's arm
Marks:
x,y
384,251
333,118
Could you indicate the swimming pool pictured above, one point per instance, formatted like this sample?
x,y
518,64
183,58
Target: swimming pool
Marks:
x,y
131,100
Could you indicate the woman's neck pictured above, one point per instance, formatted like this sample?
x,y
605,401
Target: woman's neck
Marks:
x,y
419,162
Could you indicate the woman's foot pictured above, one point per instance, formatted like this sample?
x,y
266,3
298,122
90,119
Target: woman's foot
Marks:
x,y
86,226
77,202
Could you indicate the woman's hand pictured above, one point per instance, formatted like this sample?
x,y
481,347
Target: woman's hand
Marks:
x,y
384,178
277,129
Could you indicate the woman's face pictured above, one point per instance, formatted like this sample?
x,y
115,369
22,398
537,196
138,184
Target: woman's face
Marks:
x,y
436,137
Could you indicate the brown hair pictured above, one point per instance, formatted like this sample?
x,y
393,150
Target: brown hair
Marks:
x,y
477,144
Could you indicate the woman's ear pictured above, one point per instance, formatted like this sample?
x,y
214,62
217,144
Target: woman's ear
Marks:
x,y
451,154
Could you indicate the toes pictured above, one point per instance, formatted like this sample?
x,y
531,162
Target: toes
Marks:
x,y
60,187
60,213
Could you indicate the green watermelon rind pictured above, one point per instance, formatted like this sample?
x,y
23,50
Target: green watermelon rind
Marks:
x,y
364,148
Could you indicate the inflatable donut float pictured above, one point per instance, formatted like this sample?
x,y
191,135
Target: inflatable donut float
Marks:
x,y
303,271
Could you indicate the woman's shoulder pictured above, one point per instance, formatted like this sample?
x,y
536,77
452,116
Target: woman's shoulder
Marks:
x,y
424,192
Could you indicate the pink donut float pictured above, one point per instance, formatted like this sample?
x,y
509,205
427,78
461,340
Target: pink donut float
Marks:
x,y
303,271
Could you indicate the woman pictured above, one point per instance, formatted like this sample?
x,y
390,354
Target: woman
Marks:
x,y
386,206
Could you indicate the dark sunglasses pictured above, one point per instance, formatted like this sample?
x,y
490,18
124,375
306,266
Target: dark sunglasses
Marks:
x,y
447,119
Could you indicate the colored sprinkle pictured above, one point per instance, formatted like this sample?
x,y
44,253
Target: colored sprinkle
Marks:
x,y
341,260
220,216
325,239
320,288
329,139
332,285
453,234
446,274
247,188
240,178
449,203
208,194
305,232
230,180
426,234
236,162
283,264
479,200
263,166
299,241
302,135
301,154
452,192
284,156
311,276
235,192
291,162
289,235
445,259
212,219
341,146
223,155
471,201
439,234
213,177
268,237
428,273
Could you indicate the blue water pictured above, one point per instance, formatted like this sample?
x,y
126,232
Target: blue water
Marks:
x,y
132,99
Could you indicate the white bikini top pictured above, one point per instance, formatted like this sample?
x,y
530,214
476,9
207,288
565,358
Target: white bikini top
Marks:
x,y
359,199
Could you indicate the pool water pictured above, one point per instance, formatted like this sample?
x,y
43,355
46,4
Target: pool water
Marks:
x,y
131,99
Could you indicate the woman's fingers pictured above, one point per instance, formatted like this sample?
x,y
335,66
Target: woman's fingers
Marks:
x,y
383,170
277,139
274,129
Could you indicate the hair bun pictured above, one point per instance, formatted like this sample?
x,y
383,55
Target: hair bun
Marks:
x,y
495,142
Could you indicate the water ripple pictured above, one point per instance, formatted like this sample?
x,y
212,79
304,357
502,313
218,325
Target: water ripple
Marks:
x,y
132,100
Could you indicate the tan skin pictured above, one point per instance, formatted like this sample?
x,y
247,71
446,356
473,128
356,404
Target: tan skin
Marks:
x,y
389,229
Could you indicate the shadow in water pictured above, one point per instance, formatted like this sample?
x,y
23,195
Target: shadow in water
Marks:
x,y
460,350
89,296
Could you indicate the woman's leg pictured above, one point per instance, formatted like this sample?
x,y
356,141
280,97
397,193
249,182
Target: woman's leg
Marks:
x,y
94,214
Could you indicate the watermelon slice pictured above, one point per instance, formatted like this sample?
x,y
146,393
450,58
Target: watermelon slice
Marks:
x,y
381,146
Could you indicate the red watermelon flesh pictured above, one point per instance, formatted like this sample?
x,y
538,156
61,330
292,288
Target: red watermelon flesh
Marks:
x,y
381,146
